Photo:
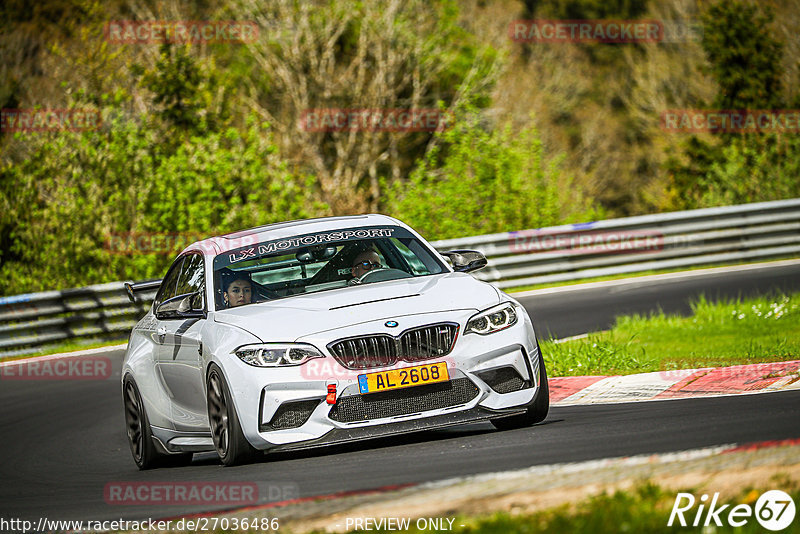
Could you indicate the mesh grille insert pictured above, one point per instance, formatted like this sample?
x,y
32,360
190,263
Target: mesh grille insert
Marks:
x,y
403,401
503,380
291,415
383,350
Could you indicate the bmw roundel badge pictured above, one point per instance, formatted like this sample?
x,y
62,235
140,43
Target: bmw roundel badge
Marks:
x,y
391,324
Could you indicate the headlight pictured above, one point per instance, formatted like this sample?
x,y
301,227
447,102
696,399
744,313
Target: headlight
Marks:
x,y
492,320
277,354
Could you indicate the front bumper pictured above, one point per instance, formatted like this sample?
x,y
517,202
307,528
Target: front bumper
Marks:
x,y
285,408
345,435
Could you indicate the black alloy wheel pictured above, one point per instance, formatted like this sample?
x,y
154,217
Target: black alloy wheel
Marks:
x,y
226,431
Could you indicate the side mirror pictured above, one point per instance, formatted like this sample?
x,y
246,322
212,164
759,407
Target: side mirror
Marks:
x,y
466,261
182,307
131,288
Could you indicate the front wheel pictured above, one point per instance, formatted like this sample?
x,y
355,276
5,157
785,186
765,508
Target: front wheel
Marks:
x,y
537,412
226,431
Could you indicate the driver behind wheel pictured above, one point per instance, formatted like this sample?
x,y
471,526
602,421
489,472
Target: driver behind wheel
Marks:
x,y
365,262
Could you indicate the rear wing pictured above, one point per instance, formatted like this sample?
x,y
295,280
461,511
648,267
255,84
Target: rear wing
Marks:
x,y
131,288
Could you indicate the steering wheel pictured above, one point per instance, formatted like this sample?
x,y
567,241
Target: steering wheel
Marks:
x,y
379,275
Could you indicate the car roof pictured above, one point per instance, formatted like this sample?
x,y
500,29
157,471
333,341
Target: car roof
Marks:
x,y
218,244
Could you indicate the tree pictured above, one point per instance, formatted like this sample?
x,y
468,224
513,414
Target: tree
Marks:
x,y
348,54
65,199
744,56
744,59
479,180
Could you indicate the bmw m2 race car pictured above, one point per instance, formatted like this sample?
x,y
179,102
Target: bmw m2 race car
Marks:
x,y
313,332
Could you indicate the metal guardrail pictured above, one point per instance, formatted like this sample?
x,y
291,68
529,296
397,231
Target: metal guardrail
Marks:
x,y
33,321
710,236
763,230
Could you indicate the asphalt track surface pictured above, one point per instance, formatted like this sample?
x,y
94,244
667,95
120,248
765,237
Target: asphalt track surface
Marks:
x,y
62,442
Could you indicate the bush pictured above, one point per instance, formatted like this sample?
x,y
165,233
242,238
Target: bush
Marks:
x,y
751,171
477,180
62,202
734,168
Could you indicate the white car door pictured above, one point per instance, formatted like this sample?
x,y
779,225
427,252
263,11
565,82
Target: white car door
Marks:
x,y
179,353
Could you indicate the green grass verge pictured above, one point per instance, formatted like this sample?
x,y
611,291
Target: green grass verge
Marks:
x,y
646,508
759,330
634,275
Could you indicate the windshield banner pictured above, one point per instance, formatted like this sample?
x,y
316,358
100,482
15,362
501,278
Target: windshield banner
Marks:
x,y
287,244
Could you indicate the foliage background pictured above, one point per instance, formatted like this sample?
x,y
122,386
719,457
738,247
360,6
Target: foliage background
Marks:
x,y
204,138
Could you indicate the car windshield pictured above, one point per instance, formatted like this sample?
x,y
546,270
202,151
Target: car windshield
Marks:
x,y
319,262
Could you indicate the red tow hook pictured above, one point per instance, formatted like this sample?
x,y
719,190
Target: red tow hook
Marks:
x,y
331,398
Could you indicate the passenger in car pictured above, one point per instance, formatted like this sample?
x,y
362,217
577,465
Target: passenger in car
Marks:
x,y
237,290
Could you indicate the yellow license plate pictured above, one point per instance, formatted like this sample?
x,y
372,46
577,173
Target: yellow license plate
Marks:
x,y
403,378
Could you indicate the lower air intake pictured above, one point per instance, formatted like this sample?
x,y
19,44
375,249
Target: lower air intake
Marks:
x,y
353,408
503,379
291,415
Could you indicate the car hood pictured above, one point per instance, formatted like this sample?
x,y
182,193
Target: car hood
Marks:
x,y
294,317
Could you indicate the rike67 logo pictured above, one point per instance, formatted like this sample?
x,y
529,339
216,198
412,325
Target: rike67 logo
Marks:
x,y
774,510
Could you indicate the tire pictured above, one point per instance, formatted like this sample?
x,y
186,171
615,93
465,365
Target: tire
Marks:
x,y
140,437
226,431
537,412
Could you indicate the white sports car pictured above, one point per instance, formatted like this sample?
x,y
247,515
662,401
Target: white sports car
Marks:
x,y
313,332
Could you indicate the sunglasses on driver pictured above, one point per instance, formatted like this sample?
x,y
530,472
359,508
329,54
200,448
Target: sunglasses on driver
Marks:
x,y
367,265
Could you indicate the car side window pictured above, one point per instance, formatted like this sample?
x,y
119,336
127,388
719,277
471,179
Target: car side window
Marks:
x,y
192,275
413,261
168,285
